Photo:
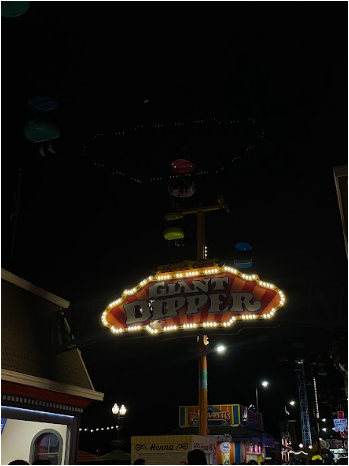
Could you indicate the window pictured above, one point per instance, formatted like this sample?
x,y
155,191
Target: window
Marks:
x,y
47,445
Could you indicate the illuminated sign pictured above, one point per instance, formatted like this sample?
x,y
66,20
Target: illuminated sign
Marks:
x,y
192,298
214,415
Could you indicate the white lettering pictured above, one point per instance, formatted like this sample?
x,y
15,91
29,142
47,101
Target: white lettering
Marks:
x,y
136,312
215,303
241,300
159,289
167,307
195,303
184,287
218,283
200,285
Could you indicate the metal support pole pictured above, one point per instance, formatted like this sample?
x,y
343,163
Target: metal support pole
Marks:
x,y
257,404
202,339
118,429
200,231
202,385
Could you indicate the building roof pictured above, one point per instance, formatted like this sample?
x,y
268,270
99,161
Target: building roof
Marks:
x,y
21,283
236,432
29,333
116,455
86,457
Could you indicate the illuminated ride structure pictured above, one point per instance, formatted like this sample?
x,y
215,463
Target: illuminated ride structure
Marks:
x,y
303,403
193,295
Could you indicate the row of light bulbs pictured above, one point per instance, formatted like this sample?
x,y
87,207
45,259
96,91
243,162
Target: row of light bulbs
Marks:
x,y
151,330
101,133
160,178
169,328
210,324
98,429
186,326
216,120
229,323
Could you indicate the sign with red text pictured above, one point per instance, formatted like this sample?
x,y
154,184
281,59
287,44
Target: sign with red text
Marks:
x,y
193,298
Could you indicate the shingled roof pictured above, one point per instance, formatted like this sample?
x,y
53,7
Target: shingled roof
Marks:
x,y
26,334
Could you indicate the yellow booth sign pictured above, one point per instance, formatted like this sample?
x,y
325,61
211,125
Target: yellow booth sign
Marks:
x,y
192,298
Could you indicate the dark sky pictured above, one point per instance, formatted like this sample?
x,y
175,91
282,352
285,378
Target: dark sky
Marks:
x,y
278,72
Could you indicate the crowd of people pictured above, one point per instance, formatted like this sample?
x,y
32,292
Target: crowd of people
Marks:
x,y
198,457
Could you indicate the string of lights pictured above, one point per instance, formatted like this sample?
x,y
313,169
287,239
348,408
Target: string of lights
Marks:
x,y
219,122
88,430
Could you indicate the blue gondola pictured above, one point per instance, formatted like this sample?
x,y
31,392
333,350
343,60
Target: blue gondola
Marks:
x,y
38,105
243,256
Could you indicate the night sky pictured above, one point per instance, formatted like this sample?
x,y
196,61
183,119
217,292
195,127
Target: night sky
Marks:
x,y
256,96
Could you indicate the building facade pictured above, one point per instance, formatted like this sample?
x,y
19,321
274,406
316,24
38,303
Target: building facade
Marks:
x,y
43,392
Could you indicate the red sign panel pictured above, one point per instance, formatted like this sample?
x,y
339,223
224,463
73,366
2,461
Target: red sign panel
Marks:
x,y
212,297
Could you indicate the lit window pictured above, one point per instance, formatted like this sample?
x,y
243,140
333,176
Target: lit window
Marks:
x,y
47,445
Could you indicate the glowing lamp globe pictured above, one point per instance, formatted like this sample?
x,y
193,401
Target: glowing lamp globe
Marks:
x,y
123,410
115,409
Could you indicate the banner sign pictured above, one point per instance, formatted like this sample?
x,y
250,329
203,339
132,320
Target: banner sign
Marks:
x,y
217,415
195,298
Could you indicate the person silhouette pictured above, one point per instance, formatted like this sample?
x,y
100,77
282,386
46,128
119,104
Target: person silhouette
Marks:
x,y
196,456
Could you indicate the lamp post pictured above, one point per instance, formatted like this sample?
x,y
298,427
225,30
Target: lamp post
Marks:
x,y
264,384
120,413
291,403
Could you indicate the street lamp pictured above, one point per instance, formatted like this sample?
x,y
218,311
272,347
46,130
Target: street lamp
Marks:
x,y
120,413
221,349
264,384
291,403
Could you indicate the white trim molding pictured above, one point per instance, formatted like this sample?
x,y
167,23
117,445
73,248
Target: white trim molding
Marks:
x,y
45,384
21,283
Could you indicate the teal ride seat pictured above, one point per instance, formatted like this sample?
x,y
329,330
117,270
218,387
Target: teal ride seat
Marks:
x,y
39,129
14,9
